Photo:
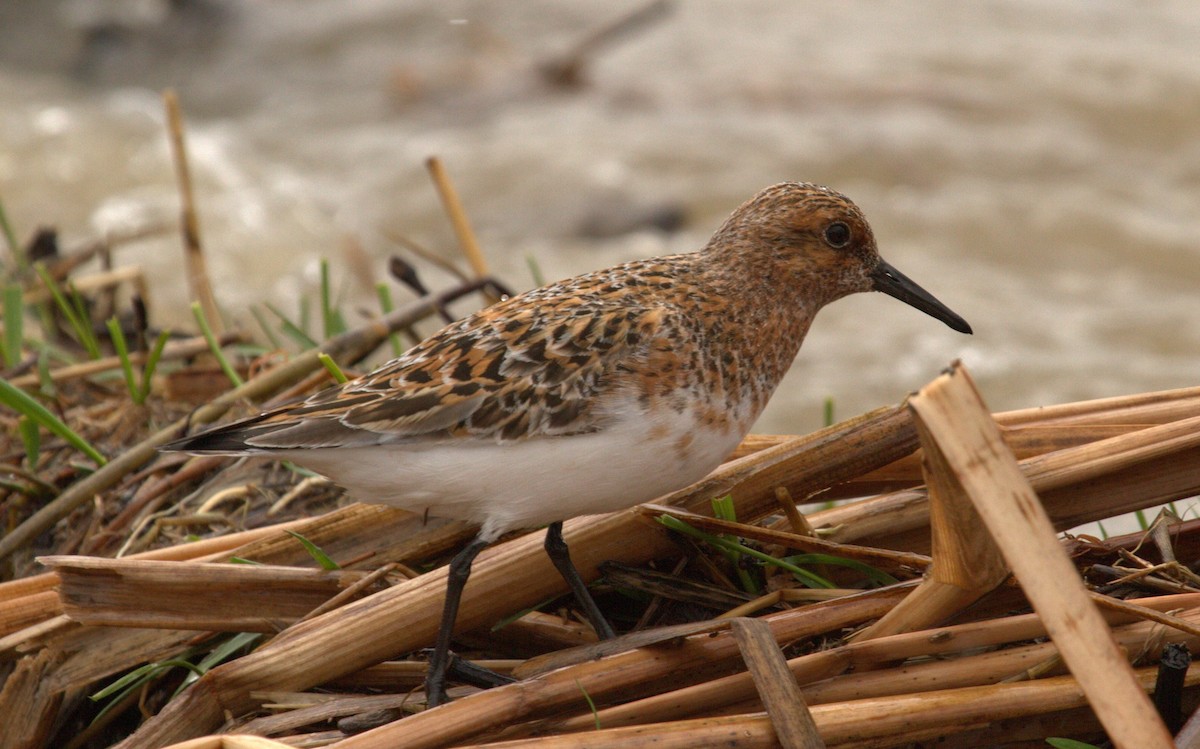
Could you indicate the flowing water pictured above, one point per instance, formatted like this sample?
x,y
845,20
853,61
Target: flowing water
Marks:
x,y
1034,164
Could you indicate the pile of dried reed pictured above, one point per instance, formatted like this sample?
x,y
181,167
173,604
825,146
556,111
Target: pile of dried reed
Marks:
x,y
940,604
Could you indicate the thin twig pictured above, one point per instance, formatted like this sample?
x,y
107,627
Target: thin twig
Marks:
x,y
458,218
197,268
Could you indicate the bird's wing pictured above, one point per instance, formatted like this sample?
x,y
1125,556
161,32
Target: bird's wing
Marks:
x,y
512,371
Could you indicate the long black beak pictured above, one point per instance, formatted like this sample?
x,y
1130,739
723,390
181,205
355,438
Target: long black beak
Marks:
x,y
894,283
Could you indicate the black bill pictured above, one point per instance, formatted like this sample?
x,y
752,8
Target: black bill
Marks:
x,y
894,283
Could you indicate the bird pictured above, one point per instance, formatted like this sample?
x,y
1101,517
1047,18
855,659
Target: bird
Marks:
x,y
588,395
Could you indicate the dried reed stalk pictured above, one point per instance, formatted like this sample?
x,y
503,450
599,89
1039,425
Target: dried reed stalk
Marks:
x,y
393,622
29,600
190,595
197,267
967,562
28,693
852,671
92,282
405,617
467,241
899,719
1120,409
1093,481
954,422
626,673
231,742
777,688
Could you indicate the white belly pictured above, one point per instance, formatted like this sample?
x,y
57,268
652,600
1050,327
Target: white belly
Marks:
x,y
531,483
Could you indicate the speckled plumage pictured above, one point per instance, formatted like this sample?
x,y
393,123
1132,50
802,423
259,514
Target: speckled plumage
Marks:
x,y
588,395
638,378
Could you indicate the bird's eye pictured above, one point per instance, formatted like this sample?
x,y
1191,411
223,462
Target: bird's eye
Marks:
x,y
837,235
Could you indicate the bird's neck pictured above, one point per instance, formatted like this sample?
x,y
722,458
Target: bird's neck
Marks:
x,y
761,327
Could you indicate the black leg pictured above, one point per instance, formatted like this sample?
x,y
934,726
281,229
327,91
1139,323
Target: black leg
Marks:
x,y
456,580
560,555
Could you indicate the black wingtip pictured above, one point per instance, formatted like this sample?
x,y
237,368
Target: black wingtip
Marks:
x,y
224,439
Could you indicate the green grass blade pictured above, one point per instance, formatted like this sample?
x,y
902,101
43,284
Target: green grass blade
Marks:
x,y
535,271
316,552
591,704
221,653
334,323
386,306
874,575
45,381
118,339
276,344
10,236
806,577
14,321
139,676
1070,744
292,330
299,470
86,333
723,509
20,401
213,346
502,623
31,438
332,368
305,316
70,310
828,415
151,365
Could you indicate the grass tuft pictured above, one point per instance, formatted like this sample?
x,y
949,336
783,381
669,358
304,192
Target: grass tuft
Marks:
x,y
331,316
74,310
804,576
723,510
137,391
21,402
295,331
214,347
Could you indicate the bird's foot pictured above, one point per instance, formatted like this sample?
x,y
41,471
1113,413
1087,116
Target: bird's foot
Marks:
x,y
460,669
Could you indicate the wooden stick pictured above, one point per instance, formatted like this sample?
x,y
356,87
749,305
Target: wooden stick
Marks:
x,y
192,595
458,218
1141,468
966,561
895,717
1069,412
776,686
197,268
885,559
91,282
838,673
961,429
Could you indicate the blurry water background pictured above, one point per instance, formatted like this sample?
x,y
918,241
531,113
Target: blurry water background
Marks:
x,y
1036,165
